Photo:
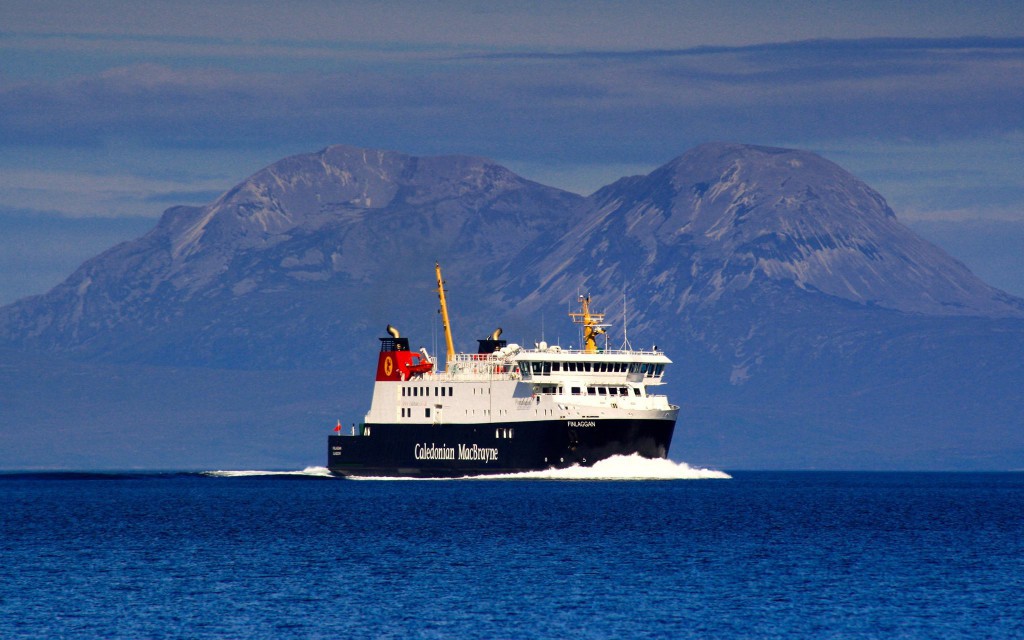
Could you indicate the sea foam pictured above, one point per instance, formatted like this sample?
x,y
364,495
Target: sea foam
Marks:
x,y
632,467
314,472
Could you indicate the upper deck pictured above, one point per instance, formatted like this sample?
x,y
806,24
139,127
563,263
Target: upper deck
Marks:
x,y
498,360
552,363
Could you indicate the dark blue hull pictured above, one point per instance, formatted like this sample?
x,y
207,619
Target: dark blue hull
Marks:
x,y
451,450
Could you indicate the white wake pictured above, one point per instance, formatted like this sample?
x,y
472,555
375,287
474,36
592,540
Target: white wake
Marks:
x,y
632,467
313,472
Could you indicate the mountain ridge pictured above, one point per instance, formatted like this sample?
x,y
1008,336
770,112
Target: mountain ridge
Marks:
x,y
807,324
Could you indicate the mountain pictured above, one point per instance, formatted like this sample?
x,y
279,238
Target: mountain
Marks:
x,y
725,217
283,268
809,327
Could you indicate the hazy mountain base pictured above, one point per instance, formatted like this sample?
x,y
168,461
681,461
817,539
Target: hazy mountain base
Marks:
x,y
796,410
850,387
61,414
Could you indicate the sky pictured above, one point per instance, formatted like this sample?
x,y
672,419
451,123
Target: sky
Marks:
x,y
111,112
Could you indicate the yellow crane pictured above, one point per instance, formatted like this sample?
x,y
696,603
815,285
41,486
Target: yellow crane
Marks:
x,y
444,319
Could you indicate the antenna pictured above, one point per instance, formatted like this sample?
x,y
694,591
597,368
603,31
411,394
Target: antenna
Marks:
x,y
625,338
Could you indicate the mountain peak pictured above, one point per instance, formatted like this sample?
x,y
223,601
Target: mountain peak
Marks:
x,y
727,216
305,189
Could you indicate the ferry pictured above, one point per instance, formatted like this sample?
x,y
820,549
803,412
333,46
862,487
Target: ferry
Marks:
x,y
506,408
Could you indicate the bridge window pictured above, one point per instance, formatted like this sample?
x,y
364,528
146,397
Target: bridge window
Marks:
x,y
576,391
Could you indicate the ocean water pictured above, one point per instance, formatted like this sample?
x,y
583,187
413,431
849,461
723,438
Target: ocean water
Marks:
x,y
692,553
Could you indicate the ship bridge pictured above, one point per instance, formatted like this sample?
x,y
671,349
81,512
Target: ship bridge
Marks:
x,y
611,365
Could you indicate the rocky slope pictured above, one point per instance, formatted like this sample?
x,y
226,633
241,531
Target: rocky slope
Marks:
x,y
724,217
285,265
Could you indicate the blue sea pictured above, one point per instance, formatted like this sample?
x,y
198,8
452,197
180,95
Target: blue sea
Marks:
x,y
301,555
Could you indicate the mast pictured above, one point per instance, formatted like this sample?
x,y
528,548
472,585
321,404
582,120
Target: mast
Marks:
x,y
625,338
450,358
591,324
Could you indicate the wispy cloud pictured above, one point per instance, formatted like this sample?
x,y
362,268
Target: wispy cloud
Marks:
x,y
81,194
188,49
801,48
530,105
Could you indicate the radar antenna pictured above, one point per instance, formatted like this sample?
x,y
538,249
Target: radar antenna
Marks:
x,y
592,325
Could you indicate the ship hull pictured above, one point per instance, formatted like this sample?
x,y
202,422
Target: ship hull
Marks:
x,y
457,450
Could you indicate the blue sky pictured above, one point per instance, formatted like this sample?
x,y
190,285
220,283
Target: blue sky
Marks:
x,y
110,112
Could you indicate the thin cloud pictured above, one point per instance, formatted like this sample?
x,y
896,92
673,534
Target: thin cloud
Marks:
x,y
933,88
275,52
80,194
803,48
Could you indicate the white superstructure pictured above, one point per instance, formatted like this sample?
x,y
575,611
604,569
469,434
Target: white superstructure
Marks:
x,y
513,384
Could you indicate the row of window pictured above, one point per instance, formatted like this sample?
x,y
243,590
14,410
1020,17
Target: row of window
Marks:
x,y
414,392
407,412
440,392
647,369
590,391
609,391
